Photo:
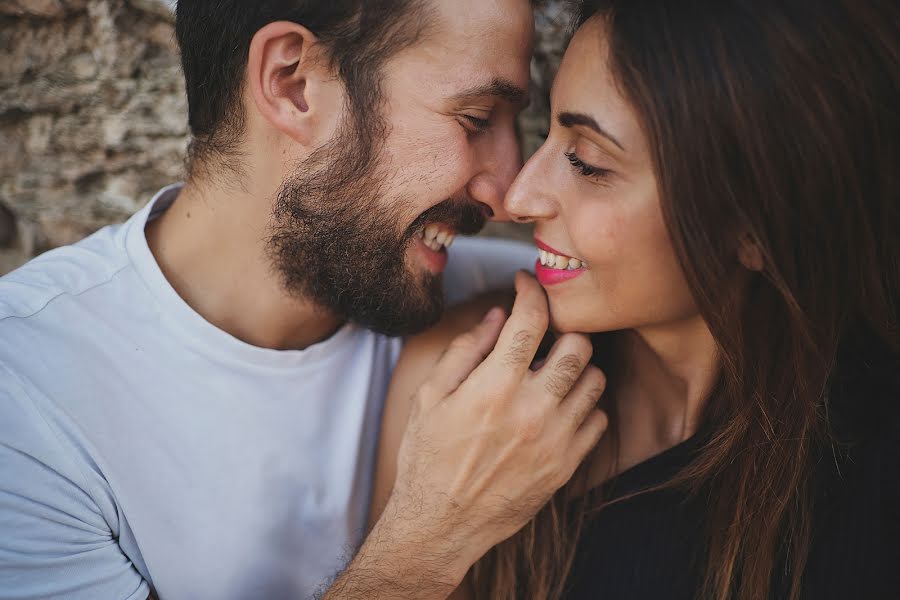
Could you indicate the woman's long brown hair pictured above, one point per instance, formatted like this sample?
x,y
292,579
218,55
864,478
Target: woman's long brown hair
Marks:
x,y
773,122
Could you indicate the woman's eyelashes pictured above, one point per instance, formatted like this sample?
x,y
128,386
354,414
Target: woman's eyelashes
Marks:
x,y
585,169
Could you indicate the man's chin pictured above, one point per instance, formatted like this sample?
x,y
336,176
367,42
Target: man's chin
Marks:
x,y
410,313
405,327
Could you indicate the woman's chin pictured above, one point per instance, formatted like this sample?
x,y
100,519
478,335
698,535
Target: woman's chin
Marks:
x,y
568,322
573,318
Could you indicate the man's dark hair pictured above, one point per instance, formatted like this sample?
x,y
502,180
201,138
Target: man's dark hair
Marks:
x,y
214,38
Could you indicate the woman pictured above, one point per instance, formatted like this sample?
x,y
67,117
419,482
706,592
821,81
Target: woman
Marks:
x,y
717,203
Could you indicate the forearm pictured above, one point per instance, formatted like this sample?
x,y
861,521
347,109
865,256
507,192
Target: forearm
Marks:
x,y
399,562
374,580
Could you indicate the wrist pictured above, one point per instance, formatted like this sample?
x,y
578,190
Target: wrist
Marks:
x,y
419,548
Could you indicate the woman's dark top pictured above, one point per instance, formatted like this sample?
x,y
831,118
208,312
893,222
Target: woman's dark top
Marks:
x,y
651,546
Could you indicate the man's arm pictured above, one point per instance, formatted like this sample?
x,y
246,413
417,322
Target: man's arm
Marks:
x,y
487,443
419,357
57,529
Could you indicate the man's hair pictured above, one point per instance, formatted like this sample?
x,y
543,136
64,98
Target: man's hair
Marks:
x,y
214,37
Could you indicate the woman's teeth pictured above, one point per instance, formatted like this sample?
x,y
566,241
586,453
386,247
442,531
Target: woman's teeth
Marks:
x,y
436,237
555,261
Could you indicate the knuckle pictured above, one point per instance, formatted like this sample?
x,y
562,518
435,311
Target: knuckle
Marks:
x,y
593,396
580,413
563,374
596,424
559,383
596,377
519,350
570,365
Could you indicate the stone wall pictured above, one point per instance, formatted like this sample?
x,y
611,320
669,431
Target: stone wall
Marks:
x,y
93,114
92,117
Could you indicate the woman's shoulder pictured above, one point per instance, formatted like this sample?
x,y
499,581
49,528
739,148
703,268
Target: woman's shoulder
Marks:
x,y
422,351
420,354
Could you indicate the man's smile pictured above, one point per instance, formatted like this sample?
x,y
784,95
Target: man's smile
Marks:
x,y
433,240
437,236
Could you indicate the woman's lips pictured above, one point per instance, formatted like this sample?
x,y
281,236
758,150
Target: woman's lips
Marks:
x,y
547,275
544,246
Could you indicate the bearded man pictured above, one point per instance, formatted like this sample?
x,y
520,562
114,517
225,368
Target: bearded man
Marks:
x,y
190,400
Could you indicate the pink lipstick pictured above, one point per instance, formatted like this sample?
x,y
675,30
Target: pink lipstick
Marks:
x,y
547,275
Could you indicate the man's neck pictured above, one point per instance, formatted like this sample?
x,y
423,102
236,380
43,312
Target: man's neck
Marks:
x,y
211,246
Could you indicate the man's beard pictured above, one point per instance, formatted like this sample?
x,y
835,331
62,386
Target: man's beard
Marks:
x,y
337,243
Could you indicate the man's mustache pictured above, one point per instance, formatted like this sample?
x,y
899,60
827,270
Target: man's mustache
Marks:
x,y
463,216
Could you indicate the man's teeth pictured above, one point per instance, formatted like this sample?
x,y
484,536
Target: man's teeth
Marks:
x,y
436,237
555,261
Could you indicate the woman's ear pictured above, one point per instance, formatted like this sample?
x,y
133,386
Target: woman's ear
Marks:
x,y
749,254
284,77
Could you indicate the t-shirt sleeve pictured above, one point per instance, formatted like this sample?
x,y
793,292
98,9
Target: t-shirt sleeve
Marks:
x,y
483,264
55,540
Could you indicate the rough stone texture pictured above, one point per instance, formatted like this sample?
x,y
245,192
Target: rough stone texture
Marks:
x,y
93,114
92,117
552,22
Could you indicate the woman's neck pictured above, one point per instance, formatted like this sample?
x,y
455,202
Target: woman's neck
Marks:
x,y
668,374
662,380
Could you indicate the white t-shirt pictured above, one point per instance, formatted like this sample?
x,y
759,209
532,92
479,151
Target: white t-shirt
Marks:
x,y
141,446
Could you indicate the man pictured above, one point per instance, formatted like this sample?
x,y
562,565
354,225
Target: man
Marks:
x,y
190,400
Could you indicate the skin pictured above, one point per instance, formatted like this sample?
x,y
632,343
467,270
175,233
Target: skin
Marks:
x,y
488,441
633,282
613,220
211,243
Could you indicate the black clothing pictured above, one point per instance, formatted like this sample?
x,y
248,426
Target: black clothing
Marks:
x,y
651,546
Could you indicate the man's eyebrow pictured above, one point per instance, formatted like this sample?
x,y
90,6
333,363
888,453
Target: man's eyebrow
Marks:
x,y
570,119
500,88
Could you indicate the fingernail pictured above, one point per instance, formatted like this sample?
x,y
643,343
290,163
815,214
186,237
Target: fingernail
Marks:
x,y
492,315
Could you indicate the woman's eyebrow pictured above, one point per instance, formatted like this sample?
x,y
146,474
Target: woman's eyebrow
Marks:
x,y
571,119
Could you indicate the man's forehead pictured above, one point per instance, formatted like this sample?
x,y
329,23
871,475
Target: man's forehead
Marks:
x,y
498,87
481,47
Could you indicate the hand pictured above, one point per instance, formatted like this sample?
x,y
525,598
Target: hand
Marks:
x,y
488,443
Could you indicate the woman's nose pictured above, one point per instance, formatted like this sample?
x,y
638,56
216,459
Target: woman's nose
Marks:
x,y
530,196
501,160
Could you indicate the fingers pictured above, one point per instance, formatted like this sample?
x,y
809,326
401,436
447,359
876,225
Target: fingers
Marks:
x,y
583,397
521,335
464,354
587,436
565,364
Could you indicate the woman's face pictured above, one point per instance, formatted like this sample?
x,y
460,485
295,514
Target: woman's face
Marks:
x,y
592,194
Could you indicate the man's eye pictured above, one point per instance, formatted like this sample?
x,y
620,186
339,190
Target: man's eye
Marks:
x,y
477,124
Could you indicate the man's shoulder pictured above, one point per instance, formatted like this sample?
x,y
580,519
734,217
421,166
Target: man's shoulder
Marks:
x,y
484,264
69,271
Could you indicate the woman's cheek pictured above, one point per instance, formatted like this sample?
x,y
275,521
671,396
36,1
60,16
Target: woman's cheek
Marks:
x,y
600,235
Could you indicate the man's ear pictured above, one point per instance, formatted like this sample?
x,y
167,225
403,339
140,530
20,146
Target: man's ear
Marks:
x,y
749,254
287,80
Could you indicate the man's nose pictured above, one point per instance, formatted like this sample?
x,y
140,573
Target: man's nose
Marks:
x,y
501,162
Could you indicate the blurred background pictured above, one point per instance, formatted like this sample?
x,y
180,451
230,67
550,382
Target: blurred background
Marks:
x,y
93,116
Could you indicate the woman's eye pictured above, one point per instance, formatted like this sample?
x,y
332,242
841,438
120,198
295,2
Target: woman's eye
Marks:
x,y
585,169
476,124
